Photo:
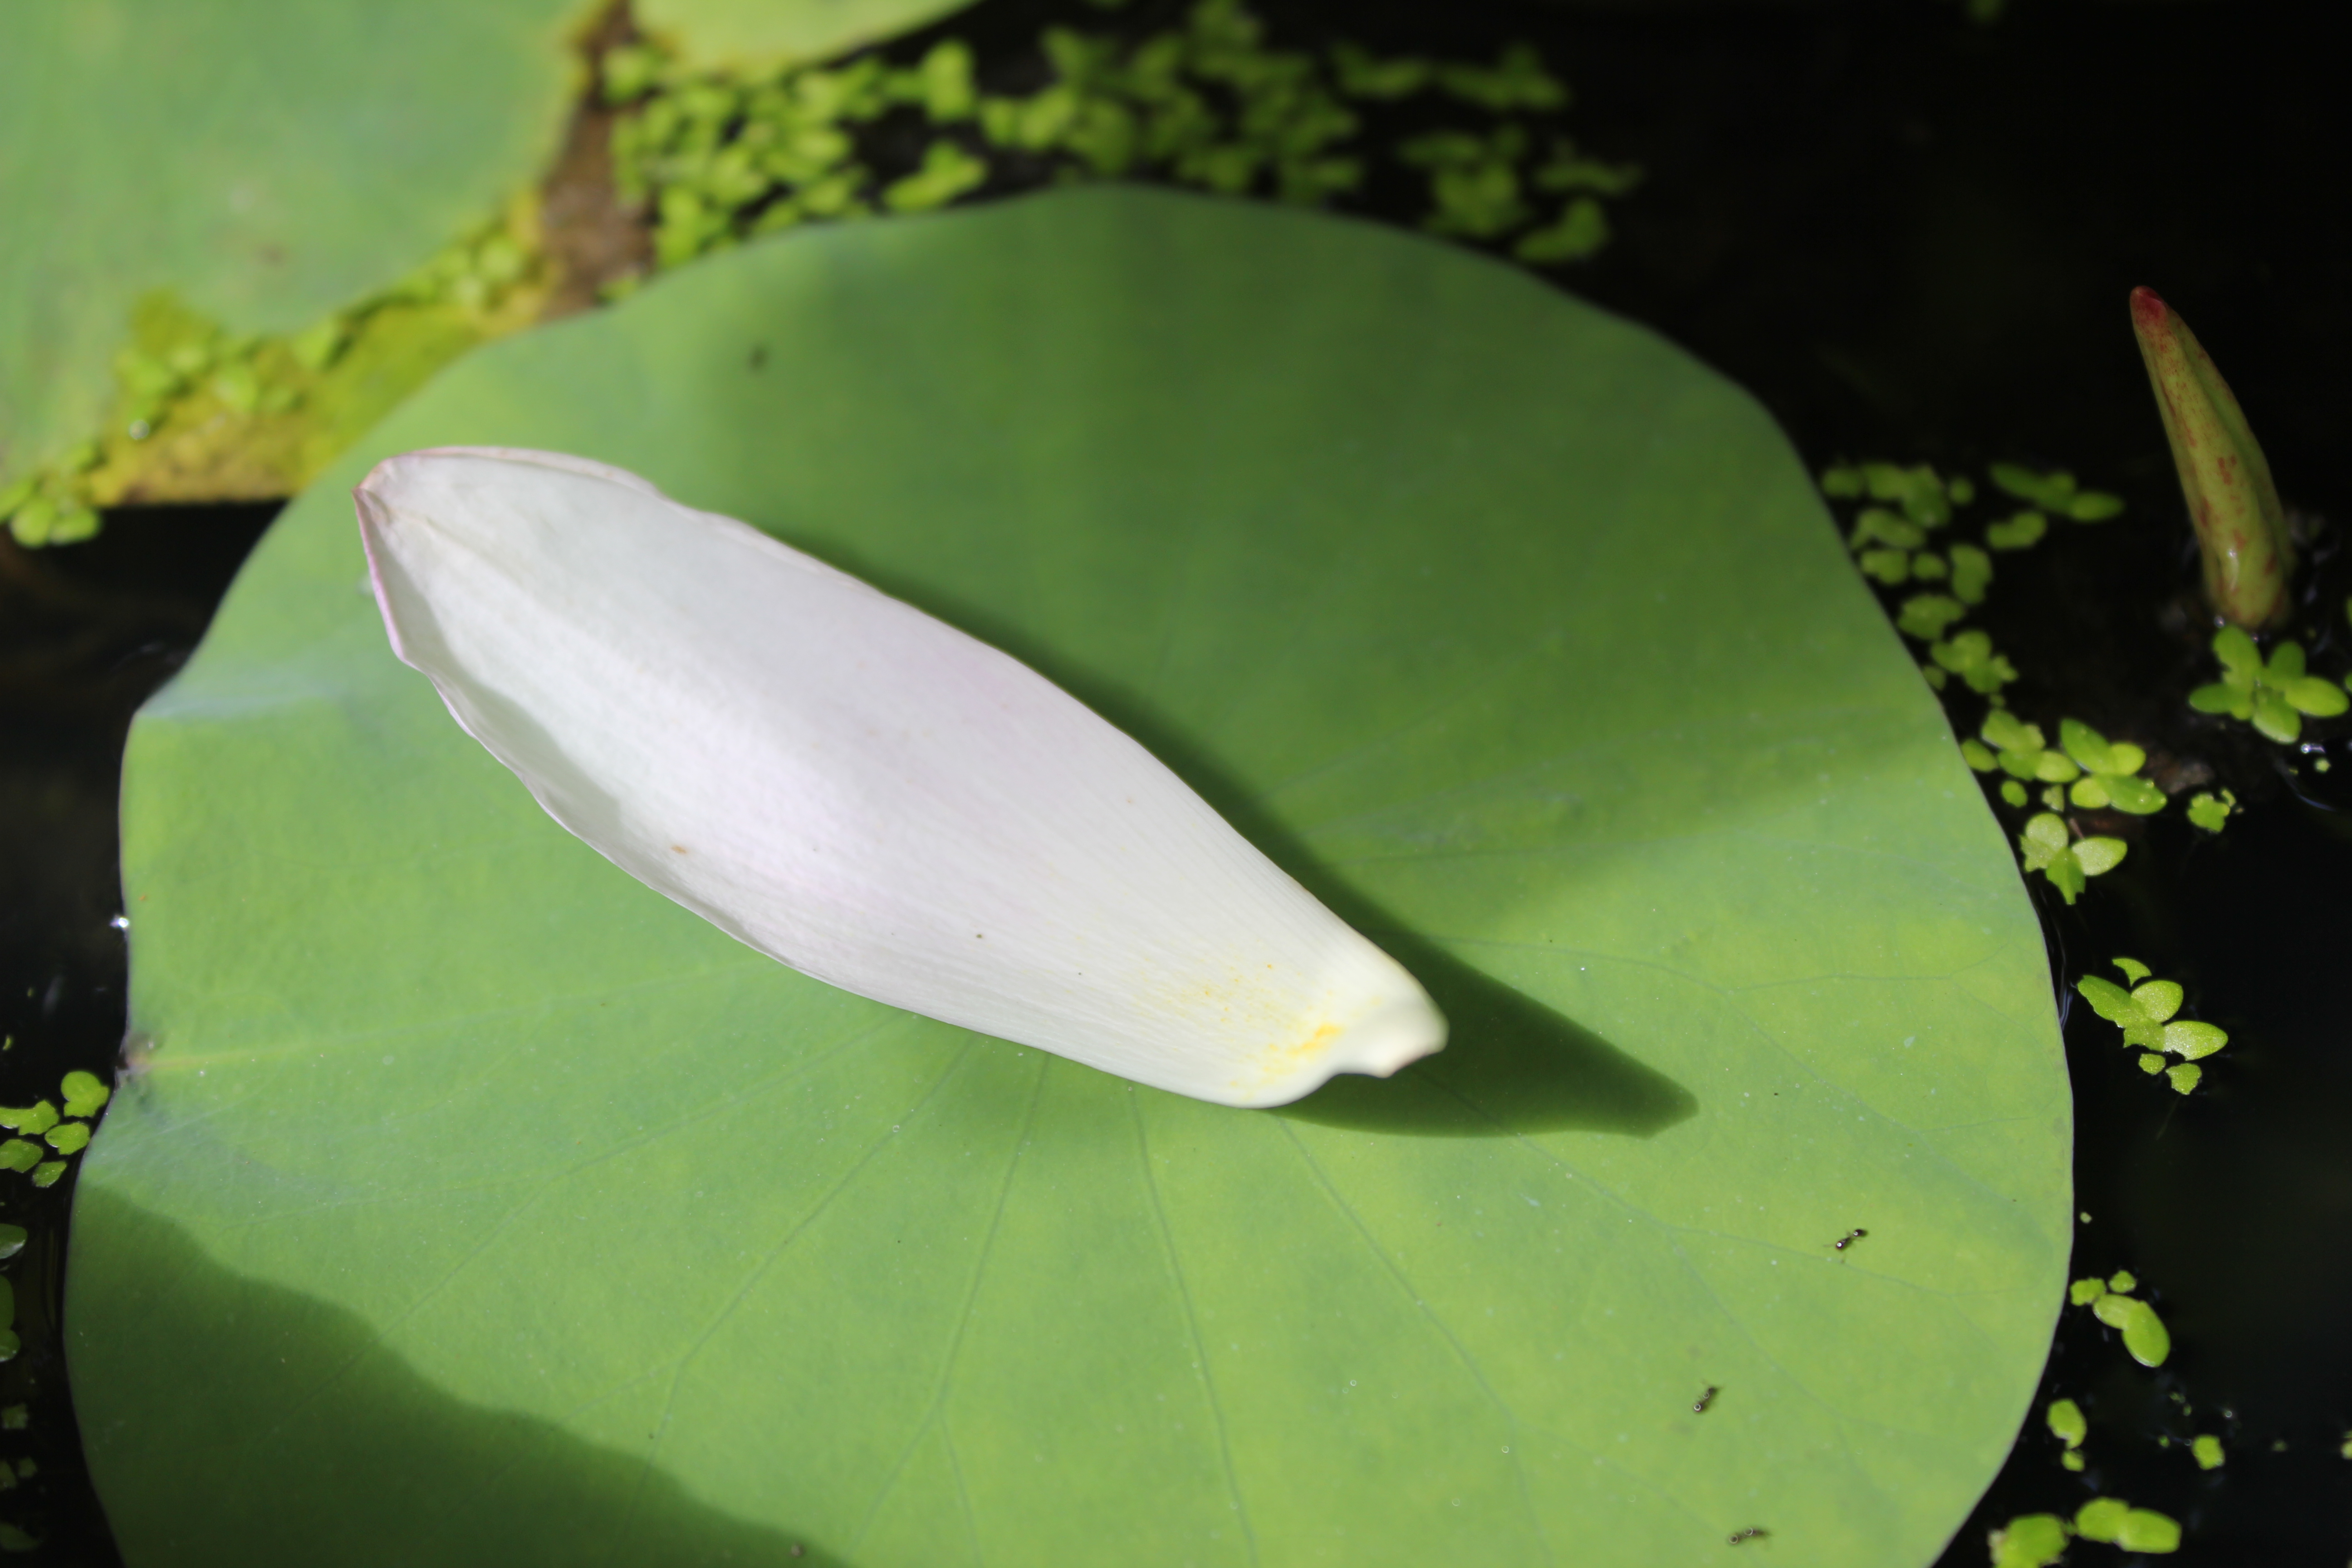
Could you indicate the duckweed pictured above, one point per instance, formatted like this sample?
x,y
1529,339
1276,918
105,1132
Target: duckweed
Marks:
x,y
1517,79
1208,104
948,172
2101,1519
200,413
2207,1451
1579,232
2046,846
1929,616
46,1173
1971,656
2110,772
2023,752
1474,182
1892,567
1876,524
2111,1301
2066,1423
12,1240
2132,1529
19,1155
32,1120
1918,490
2021,530
69,1137
2273,695
85,1094
1971,573
2031,1541
1890,537
2056,492
2211,810
2145,1014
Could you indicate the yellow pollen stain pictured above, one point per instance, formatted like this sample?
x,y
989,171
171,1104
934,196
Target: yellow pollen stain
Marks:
x,y
1280,1059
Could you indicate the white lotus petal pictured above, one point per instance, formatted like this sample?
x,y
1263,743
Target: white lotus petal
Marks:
x,y
865,792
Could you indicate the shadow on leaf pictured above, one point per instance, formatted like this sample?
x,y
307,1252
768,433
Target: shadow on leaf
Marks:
x,y
373,1463
1511,1065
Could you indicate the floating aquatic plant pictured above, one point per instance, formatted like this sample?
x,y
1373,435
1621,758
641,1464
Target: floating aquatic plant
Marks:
x,y
2273,694
200,411
2065,1419
1210,104
2110,772
2145,1014
1969,655
2102,773
2047,846
2242,528
2212,812
2019,750
861,792
1923,495
2114,1521
1890,538
2030,1541
47,1138
2019,530
2112,1303
2055,491
1929,616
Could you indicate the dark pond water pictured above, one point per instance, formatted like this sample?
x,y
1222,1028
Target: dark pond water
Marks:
x,y
1912,236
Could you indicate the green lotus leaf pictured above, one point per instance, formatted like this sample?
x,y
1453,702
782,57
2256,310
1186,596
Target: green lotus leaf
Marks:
x,y
264,166
757,34
478,1205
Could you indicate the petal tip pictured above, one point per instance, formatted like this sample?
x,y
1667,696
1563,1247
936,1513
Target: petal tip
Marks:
x,y
1382,1042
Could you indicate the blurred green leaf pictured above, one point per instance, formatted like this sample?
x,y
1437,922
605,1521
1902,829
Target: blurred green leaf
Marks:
x,y
266,164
